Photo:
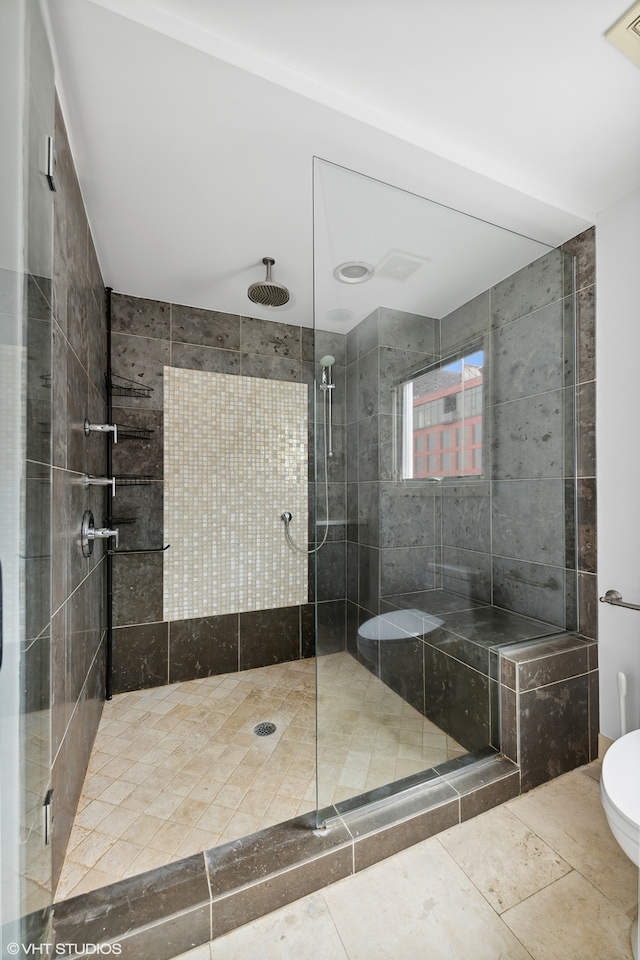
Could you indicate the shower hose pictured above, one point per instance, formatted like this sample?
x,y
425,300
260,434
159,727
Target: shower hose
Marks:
x,y
286,516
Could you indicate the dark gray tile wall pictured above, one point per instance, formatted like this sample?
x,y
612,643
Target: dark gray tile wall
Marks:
x,y
509,540
393,530
552,688
77,592
523,321
148,335
583,249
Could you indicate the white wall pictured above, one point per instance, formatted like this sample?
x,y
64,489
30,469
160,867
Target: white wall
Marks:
x,y
618,453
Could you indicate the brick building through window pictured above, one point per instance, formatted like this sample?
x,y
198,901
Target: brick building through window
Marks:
x,y
444,410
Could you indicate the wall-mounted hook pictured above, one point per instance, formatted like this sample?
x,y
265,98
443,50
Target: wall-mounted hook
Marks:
x,y
101,428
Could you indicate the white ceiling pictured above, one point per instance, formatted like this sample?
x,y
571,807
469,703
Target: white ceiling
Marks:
x,y
194,124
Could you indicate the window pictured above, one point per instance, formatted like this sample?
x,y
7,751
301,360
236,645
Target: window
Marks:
x,y
448,401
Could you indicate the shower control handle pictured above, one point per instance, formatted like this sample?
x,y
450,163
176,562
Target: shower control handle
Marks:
x,y
104,533
91,481
101,428
89,533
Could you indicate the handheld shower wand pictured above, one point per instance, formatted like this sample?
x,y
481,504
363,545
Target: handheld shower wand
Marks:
x,y
328,386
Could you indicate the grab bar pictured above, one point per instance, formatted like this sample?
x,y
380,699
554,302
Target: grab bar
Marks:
x,y
615,599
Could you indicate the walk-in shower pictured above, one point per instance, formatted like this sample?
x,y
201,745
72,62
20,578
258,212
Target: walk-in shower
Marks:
x,y
364,517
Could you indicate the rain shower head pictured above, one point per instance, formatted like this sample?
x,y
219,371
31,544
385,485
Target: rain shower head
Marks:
x,y
267,292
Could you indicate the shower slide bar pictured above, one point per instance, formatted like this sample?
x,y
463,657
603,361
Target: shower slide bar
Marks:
x,y
615,599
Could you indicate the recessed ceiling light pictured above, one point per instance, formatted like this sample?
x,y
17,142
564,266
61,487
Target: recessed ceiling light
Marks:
x,y
353,271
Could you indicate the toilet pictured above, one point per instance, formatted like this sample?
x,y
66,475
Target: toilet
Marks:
x,y
620,794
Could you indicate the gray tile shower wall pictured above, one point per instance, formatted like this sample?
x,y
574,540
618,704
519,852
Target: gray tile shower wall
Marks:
x,y
551,686
493,540
529,356
149,651
391,552
77,600
583,248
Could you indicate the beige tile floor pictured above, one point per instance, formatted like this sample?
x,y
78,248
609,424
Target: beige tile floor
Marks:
x,y
178,769
539,878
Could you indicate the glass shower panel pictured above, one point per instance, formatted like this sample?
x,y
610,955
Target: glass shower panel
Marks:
x,y
26,254
426,566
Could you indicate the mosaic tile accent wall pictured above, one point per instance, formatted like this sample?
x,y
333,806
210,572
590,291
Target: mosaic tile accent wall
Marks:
x,y
235,457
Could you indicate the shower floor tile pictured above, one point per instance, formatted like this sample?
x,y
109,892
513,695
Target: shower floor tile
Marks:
x,y
178,769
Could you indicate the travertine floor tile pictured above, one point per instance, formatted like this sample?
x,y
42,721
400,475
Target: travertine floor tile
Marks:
x,y
304,930
171,764
506,861
567,814
198,953
571,920
419,903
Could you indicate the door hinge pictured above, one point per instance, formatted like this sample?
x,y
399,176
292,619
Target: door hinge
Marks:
x,y
46,808
51,165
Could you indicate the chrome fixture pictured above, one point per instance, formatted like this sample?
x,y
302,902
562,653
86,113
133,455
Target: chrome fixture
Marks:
x,y
89,532
615,599
90,481
267,292
51,165
327,386
101,428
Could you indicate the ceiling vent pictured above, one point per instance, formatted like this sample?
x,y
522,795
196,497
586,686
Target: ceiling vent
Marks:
x,y
625,34
399,266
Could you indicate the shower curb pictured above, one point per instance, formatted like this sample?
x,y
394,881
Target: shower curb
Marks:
x,y
173,908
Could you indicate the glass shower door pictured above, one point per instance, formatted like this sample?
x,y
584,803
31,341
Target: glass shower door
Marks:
x,y
424,572
26,253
